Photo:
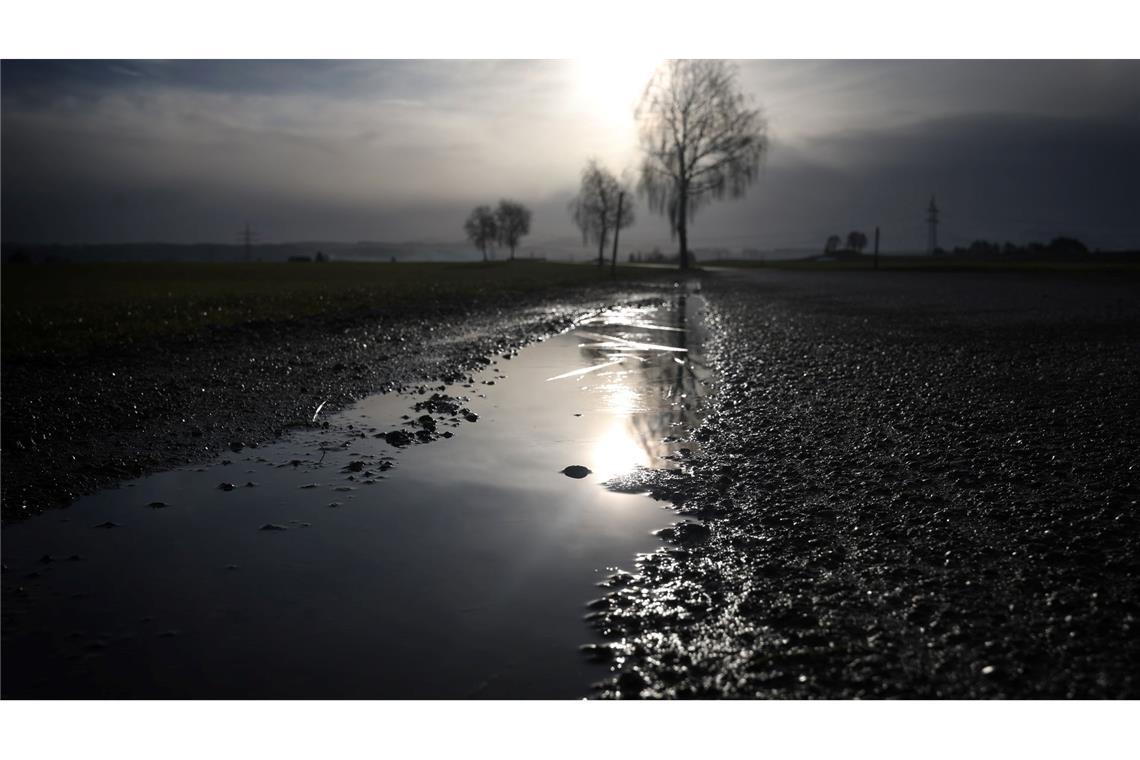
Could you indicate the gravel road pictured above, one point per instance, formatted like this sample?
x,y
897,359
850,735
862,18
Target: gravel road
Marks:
x,y
909,484
914,485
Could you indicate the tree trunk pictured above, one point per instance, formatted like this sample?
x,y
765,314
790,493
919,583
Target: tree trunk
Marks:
x,y
602,248
683,226
617,229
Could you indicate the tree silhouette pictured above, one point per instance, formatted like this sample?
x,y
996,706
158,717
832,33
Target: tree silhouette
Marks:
x,y
700,141
832,244
595,209
481,228
856,241
513,222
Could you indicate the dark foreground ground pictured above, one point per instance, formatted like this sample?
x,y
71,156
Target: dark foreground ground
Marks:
x,y
917,485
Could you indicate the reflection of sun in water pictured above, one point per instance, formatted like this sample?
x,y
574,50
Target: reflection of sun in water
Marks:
x,y
617,451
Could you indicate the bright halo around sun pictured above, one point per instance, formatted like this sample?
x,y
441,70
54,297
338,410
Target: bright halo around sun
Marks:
x,y
610,88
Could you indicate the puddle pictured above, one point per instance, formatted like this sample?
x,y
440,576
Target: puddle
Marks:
x,y
335,564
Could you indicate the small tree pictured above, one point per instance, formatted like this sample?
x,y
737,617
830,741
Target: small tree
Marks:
x,y
513,220
481,228
595,209
832,244
856,241
700,140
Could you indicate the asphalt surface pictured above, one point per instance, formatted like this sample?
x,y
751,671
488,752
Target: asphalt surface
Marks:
x,y
913,484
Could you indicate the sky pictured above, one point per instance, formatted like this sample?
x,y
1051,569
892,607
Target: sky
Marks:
x,y
189,151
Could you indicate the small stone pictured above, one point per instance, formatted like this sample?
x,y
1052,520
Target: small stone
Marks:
x,y
576,471
158,505
108,525
398,438
273,526
226,486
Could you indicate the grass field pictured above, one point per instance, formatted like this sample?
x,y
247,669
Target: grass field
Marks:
x,y
69,308
940,264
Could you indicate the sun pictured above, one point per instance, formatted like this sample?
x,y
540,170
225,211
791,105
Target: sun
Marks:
x,y
610,88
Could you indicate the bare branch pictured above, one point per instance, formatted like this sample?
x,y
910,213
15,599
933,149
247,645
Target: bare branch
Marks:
x,y
700,140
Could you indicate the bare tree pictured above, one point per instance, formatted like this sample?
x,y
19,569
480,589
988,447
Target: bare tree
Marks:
x,y
701,141
481,228
513,220
596,209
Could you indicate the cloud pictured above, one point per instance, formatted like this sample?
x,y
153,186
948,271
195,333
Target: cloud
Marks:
x,y
394,150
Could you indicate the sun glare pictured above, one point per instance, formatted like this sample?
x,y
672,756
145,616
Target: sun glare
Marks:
x,y
610,88
618,451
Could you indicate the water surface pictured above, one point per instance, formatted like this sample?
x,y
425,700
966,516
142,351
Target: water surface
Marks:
x,y
456,568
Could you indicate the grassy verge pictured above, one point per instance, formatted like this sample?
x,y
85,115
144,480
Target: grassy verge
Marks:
x,y
72,308
927,264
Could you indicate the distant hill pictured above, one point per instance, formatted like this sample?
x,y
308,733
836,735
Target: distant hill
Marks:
x,y
362,251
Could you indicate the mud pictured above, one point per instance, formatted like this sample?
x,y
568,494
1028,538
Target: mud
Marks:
x,y
910,485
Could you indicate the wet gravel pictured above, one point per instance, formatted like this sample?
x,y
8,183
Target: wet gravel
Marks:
x,y
909,485
73,425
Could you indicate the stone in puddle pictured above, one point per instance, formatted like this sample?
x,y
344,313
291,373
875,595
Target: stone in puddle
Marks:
x,y
576,471
272,526
226,486
158,505
398,438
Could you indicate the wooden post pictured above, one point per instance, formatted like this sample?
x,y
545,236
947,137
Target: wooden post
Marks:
x,y
617,229
876,247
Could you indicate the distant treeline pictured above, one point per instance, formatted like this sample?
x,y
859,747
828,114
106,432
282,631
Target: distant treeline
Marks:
x,y
1057,248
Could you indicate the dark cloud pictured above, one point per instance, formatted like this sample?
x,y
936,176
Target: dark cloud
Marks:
x,y
995,176
398,150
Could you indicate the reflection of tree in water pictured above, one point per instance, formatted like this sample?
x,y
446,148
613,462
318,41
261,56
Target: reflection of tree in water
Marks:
x,y
669,383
